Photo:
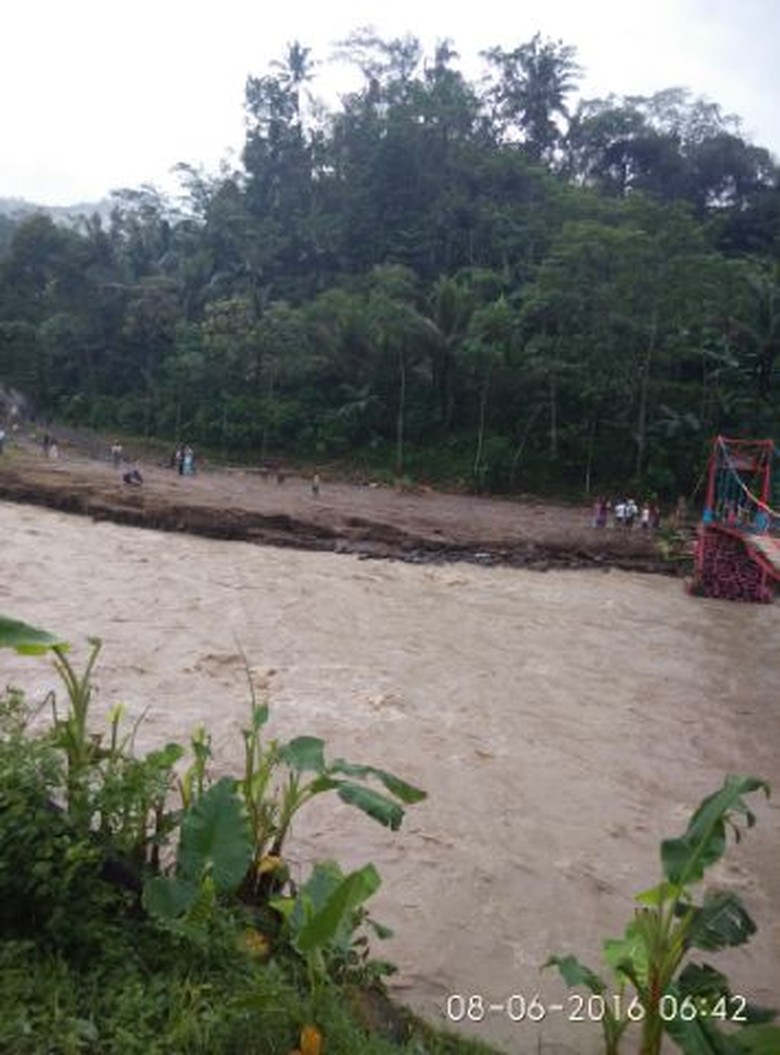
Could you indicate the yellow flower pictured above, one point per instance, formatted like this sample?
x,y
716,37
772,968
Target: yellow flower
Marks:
x,y
270,863
311,1041
256,944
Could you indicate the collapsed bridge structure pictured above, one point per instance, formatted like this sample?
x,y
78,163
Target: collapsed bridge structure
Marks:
x,y
737,554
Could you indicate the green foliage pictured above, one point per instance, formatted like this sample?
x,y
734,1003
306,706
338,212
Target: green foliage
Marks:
x,y
215,838
322,920
110,945
84,968
27,640
530,91
686,1001
128,799
49,869
275,787
332,297
213,856
106,789
685,859
156,1001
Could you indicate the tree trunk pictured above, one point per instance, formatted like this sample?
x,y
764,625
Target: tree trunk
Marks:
x,y
641,425
481,430
399,424
589,461
521,445
268,398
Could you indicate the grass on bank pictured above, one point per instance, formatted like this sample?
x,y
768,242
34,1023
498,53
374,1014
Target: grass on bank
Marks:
x,y
144,996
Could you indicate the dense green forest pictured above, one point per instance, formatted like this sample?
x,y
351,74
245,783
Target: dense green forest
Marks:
x,y
448,279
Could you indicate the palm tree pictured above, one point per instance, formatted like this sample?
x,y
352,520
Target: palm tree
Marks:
x,y
533,82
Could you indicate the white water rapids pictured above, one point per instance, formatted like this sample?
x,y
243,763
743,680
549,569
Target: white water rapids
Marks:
x,y
562,724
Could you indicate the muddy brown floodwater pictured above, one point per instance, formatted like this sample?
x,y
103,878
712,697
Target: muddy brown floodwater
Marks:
x,y
562,724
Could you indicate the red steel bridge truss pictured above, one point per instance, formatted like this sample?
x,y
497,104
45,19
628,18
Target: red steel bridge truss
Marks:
x,y
737,553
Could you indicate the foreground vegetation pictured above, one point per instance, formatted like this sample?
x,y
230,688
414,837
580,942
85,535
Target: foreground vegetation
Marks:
x,y
130,924
449,278
655,988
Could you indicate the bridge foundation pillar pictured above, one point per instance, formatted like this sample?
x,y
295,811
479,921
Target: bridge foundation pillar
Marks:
x,y
726,569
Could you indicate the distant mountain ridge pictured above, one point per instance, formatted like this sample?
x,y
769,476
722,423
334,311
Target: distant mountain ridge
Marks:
x,y
18,208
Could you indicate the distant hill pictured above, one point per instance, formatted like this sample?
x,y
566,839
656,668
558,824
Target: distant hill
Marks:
x,y
18,208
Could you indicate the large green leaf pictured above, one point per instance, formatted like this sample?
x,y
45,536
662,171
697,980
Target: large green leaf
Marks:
x,y
371,802
758,1040
324,879
575,973
27,640
657,895
215,838
721,922
701,980
705,982
164,758
685,859
700,1036
323,926
167,897
628,956
304,753
312,896
704,1035
405,792
259,716
323,783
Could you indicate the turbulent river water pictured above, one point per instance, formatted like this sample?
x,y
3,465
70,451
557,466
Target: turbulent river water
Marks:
x,y
562,724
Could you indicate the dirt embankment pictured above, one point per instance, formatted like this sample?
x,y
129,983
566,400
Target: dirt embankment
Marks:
x,y
373,521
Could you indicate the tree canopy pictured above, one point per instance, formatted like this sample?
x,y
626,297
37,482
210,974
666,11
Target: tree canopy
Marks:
x,y
477,280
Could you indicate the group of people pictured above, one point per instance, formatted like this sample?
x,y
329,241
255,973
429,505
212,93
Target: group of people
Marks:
x,y
625,512
183,460
131,474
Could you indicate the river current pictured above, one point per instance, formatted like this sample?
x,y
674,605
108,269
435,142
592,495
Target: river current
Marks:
x,y
562,724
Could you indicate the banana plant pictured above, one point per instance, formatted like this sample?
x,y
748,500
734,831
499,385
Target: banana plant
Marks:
x,y
70,731
280,778
322,917
655,987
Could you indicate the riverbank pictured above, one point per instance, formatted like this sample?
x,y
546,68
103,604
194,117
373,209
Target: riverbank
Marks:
x,y
369,520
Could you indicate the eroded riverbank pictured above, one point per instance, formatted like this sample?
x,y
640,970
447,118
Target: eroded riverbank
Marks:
x,y
371,521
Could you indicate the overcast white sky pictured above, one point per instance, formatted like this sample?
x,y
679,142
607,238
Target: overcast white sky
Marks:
x,y
97,95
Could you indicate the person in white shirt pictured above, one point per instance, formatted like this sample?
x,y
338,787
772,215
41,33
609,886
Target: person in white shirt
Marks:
x,y
630,513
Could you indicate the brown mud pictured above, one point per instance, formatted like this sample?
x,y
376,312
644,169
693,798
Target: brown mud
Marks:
x,y
371,521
